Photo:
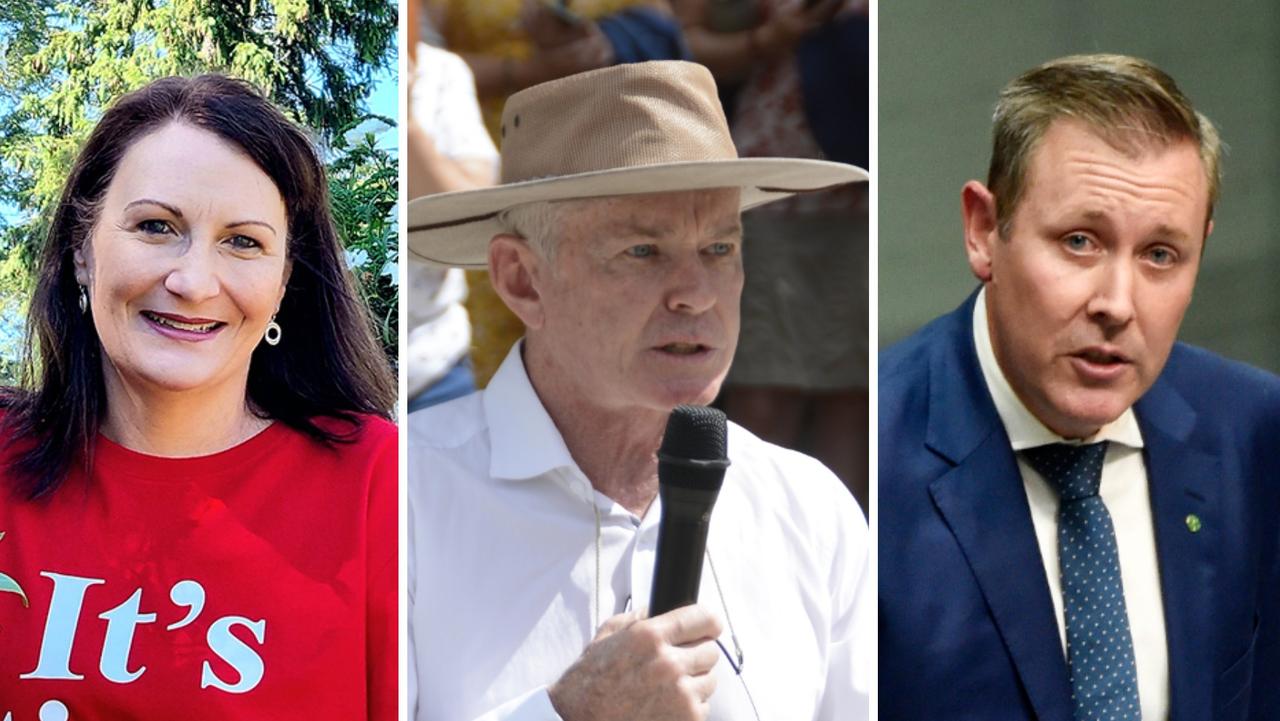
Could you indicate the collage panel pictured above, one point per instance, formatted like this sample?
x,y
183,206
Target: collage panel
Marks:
x,y
632,351
1076,497
199,334
619,524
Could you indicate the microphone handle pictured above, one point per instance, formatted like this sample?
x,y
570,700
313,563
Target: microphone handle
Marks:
x,y
682,543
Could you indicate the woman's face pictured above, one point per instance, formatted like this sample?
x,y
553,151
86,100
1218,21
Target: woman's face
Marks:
x,y
186,263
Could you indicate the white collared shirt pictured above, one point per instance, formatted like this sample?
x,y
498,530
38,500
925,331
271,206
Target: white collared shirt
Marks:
x,y
503,581
1125,493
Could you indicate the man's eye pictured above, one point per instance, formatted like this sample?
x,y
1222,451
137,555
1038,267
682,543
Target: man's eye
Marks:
x,y
1162,256
1078,242
720,248
154,227
641,251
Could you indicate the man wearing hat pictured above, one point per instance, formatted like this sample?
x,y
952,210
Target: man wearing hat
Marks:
x,y
615,237
1078,515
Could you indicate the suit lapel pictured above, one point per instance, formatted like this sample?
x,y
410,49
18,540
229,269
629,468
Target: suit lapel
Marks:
x,y
983,503
985,506
1183,482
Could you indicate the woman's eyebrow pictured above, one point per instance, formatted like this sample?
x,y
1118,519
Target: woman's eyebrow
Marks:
x,y
149,201
178,214
263,223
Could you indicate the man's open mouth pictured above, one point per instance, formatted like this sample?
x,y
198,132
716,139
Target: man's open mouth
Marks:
x,y
684,348
1101,356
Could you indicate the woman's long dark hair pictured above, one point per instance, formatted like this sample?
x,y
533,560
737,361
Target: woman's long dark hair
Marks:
x,y
328,363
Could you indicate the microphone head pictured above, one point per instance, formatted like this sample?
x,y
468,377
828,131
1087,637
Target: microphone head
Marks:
x,y
695,433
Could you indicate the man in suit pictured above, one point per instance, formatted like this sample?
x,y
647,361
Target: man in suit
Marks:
x,y
1078,515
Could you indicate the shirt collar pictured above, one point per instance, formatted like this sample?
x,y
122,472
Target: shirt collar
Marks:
x,y
1024,429
524,442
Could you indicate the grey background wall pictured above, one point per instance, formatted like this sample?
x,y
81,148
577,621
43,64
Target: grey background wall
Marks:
x,y
941,66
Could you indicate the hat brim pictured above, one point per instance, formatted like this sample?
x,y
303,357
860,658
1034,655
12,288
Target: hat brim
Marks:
x,y
454,229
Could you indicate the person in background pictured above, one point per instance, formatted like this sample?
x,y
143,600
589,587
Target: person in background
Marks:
x,y
795,76
448,149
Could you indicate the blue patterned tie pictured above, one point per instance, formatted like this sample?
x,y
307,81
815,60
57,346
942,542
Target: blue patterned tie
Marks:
x,y
1104,682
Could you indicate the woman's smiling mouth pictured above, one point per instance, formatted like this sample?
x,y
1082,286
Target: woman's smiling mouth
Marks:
x,y
182,328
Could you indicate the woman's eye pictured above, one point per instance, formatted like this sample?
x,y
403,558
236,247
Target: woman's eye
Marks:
x,y
154,227
243,242
641,251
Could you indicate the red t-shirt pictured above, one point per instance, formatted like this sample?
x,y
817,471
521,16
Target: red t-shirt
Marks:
x,y
255,583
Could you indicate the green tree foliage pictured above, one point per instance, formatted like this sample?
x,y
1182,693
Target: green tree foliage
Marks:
x,y
62,62
363,183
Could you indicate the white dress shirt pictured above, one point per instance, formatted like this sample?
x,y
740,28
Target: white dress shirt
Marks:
x,y
1125,493
503,579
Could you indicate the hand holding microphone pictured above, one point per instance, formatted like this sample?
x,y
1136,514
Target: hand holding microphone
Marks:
x,y
661,667
643,669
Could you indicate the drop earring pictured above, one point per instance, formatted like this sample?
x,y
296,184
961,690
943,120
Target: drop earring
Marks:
x,y
84,299
272,336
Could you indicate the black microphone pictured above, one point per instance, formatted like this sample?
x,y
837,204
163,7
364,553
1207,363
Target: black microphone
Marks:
x,y
691,464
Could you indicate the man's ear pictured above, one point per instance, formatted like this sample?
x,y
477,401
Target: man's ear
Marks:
x,y
981,227
513,268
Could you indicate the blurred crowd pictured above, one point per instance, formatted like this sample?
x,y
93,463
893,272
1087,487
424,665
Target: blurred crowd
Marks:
x,y
793,80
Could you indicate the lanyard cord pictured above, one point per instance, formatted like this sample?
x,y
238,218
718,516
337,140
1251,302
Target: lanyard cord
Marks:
x,y
595,618
715,577
733,636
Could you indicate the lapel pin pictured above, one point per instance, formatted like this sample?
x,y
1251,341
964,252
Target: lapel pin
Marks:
x,y
1193,523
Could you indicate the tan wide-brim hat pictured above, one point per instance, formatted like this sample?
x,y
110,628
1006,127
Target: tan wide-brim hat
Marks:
x,y
636,128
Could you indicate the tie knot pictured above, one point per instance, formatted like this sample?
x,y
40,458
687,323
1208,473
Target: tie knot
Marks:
x,y
1074,471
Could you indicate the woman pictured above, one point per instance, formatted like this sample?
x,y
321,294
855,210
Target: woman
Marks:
x,y
200,517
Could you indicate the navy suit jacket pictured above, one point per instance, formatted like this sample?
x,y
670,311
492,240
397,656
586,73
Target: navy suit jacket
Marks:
x,y
967,629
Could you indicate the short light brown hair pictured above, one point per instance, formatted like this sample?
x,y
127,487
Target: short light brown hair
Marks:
x,y
1132,105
